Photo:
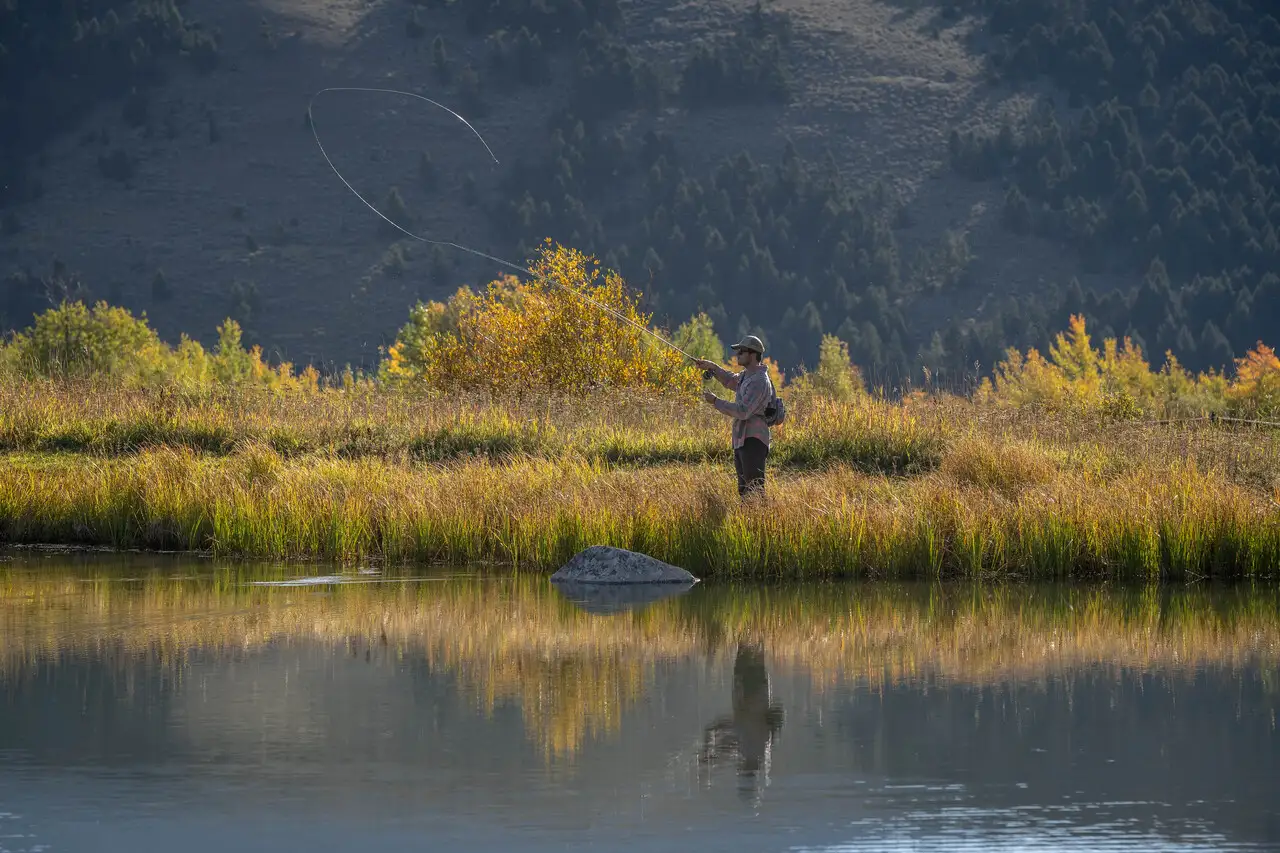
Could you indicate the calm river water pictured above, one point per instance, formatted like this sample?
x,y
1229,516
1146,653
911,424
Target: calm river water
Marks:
x,y
184,705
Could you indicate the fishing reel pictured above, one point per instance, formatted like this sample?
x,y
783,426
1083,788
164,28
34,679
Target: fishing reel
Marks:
x,y
706,374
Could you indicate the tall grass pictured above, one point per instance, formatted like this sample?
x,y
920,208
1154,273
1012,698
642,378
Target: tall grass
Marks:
x,y
1177,522
46,416
933,488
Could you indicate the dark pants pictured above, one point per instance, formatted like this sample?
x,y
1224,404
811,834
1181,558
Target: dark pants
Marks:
x,y
748,461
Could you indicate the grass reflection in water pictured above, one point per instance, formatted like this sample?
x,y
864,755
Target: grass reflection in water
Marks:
x,y
573,674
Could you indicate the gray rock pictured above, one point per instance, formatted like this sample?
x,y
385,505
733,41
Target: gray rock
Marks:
x,y
617,597
602,564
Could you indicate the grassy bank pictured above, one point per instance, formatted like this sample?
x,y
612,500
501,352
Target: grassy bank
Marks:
x,y
514,639
985,510
927,488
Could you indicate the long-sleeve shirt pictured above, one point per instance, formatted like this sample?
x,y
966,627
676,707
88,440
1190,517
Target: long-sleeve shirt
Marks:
x,y
752,394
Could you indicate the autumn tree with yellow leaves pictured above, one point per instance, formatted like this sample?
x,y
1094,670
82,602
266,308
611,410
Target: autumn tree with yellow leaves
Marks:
x,y
550,331
1118,380
1255,390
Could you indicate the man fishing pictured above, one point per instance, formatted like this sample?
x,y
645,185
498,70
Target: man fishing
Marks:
x,y
753,391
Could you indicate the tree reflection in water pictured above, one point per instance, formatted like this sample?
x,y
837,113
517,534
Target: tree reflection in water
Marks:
x,y
747,734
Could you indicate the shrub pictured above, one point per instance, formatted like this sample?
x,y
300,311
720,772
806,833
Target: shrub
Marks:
x,y
73,340
160,289
413,27
1117,383
836,377
1256,389
548,332
697,336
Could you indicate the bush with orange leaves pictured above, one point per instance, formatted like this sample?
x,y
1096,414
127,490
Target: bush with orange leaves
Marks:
x,y
547,333
1255,392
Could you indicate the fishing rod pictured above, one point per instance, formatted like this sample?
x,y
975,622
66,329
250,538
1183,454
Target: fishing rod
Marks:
x,y
501,261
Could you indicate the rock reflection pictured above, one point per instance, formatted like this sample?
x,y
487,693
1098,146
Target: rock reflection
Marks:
x,y
618,597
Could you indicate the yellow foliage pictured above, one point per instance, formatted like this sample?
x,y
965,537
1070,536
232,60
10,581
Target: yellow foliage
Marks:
x,y
836,377
1073,354
1031,380
1115,381
549,332
1125,368
73,340
232,364
1256,388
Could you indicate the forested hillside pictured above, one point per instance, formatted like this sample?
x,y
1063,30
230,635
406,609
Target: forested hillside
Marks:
x,y
1171,173
59,59
1151,157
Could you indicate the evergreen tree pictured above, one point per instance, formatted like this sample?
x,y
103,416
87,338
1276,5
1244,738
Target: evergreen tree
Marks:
x,y
397,211
1016,215
440,61
413,27
427,172
441,270
1214,349
160,289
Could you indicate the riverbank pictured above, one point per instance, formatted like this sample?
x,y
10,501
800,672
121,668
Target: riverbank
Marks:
x,y
934,487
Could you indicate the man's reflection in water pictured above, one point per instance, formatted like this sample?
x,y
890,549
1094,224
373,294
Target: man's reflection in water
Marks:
x,y
747,734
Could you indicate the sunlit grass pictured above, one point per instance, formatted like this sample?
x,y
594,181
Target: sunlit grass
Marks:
x,y
88,418
1178,522
930,488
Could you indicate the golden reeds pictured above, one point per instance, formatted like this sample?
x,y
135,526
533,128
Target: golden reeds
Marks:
x,y
939,487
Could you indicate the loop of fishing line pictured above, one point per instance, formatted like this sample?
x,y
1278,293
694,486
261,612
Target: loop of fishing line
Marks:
x,y
502,262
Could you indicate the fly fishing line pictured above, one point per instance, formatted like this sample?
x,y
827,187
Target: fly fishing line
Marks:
x,y
422,239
